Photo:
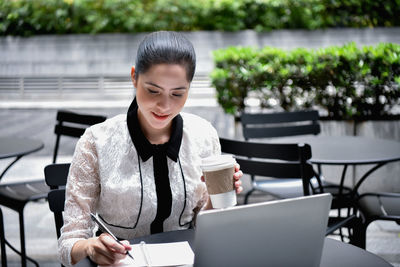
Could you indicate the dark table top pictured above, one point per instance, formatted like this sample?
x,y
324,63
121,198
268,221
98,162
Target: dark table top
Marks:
x,y
14,147
352,150
335,253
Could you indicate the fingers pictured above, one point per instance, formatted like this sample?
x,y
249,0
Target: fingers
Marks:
x,y
238,187
237,175
97,252
238,184
105,250
237,167
111,244
126,245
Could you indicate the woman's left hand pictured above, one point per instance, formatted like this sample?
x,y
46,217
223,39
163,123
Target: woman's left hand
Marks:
x,y
236,176
238,185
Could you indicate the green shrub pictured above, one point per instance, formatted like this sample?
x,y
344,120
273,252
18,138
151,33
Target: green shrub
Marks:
x,y
365,13
347,81
236,70
28,17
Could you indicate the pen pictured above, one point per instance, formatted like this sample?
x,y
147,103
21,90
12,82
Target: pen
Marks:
x,y
106,230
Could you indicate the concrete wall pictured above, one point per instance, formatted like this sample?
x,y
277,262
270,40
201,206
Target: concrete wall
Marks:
x,y
114,53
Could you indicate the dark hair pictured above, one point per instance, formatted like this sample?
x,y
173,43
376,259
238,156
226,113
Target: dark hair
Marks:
x,y
165,47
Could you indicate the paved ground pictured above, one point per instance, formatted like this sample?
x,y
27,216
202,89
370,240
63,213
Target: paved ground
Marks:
x,y
383,238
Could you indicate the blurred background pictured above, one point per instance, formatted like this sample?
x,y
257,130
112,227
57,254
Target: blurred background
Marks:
x,y
341,57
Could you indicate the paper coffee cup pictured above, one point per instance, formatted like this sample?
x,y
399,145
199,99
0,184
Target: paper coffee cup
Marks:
x,y
218,173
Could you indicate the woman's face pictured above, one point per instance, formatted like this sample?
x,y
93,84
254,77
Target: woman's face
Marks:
x,y
161,93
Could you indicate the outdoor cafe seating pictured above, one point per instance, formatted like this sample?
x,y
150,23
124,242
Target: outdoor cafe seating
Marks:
x,y
359,210
56,178
16,195
281,161
262,126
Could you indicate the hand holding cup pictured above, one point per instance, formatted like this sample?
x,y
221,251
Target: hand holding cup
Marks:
x,y
222,176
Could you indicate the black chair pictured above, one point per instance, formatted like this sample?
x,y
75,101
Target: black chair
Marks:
x,y
377,206
256,126
73,125
279,161
56,178
16,195
279,124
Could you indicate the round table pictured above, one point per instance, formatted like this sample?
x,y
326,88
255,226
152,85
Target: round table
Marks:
x,y
335,253
14,147
348,150
17,147
351,150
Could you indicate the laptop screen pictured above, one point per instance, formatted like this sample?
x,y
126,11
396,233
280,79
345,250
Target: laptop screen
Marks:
x,y
287,232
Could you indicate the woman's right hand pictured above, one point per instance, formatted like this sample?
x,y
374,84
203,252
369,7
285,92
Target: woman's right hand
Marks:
x,y
103,250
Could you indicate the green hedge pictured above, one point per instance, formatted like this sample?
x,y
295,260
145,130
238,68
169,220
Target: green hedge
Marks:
x,y
28,17
348,82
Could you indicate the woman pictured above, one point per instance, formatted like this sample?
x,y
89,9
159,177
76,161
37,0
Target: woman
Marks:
x,y
140,171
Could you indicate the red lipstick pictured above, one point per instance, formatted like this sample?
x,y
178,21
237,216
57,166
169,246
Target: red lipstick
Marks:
x,y
160,117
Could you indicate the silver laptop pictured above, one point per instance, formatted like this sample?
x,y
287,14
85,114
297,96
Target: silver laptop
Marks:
x,y
287,232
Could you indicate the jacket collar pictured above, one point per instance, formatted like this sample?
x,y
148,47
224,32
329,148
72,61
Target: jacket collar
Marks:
x,y
143,146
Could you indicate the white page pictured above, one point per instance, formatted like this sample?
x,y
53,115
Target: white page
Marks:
x,y
162,254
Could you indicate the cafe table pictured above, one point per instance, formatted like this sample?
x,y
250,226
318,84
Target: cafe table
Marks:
x,y
14,147
348,151
334,253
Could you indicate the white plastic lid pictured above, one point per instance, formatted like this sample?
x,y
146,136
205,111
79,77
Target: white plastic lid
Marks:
x,y
219,162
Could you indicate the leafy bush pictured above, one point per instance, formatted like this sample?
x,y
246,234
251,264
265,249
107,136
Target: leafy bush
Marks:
x,y
347,81
356,13
28,17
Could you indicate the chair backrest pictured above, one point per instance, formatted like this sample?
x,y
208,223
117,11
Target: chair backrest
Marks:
x,y
56,178
278,124
73,125
272,160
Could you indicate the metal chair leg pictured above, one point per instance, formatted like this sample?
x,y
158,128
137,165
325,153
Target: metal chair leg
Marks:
x,y
22,238
3,241
359,233
246,198
24,257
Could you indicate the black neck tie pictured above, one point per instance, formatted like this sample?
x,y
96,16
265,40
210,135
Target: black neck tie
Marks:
x,y
163,188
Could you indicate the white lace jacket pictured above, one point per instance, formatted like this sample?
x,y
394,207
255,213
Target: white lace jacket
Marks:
x,y
104,177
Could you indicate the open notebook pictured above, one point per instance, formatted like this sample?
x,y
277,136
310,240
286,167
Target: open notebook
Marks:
x,y
163,254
